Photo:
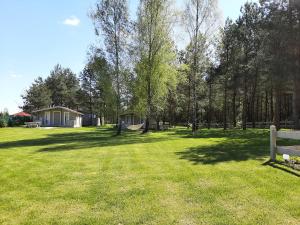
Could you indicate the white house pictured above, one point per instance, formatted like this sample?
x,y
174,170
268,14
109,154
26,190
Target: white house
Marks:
x,y
58,116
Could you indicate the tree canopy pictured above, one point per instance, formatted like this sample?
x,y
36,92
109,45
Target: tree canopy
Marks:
x,y
244,74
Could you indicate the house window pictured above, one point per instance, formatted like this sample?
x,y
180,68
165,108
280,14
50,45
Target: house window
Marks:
x,y
67,118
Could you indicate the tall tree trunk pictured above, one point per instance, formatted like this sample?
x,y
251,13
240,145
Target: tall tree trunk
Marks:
x,y
195,69
148,113
277,108
209,105
91,110
261,108
253,98
266,107
225,105
117,70
257,109
189,100
296,99
245,105
296,103
234,107
272,104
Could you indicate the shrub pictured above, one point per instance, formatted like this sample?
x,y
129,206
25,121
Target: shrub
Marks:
x,y
4,118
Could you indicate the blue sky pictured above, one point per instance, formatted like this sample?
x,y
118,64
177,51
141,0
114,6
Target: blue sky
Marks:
x,y
36,35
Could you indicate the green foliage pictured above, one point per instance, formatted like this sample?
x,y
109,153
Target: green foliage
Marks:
x,y
112,21
63,85
97,95
259,61
37,96
156,72
247,74
18,121
60,88
4,118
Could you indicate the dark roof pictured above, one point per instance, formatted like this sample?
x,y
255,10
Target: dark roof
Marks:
x,y
58,107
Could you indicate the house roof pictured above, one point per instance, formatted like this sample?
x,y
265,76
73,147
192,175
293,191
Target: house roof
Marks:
x,y
22,114
58,107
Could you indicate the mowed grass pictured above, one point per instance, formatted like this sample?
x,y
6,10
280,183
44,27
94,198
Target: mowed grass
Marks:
x,y
90,176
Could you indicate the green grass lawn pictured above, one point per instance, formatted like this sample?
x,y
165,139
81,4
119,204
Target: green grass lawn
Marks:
x,y
89,176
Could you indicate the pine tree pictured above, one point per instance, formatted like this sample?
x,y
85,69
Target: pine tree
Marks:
x,y
37,96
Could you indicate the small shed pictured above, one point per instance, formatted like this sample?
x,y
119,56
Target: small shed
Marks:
x,y
131,118
58,116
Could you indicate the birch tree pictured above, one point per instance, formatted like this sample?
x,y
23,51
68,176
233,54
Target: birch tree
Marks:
x,y
155,72
111,20
200,21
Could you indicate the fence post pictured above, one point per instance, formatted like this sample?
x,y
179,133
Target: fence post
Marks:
x,y
273,135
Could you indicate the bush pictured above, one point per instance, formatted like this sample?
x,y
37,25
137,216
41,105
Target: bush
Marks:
x,y
3,123
18,121
11,122
4,118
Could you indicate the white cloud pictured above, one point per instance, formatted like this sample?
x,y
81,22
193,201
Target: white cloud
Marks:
x,y
14,75
72,21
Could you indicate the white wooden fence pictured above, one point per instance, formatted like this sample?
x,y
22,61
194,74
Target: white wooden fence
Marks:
x,y
289,150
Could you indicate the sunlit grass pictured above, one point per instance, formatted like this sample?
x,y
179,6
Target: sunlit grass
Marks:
x,y
90,176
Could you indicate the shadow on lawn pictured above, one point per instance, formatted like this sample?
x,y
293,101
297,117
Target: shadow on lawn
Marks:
x,y
228,150
220,133
238,145
281,166
81,140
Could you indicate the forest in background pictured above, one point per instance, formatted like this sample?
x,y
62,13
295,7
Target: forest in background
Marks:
x,y
244,74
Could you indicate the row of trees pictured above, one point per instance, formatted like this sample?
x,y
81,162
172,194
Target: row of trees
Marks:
x,y
91,92
259,64
248,72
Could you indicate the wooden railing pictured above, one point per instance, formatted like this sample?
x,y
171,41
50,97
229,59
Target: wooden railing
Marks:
x,y
289,150
262,125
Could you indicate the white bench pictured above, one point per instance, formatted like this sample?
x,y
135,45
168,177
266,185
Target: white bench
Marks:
x,y
289,150
32,124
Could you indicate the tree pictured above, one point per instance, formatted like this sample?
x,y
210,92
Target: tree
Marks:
x,y
275,50
200,20
97,96
155,73
226,57
4,118
64,86
104,94
111,20
37,96
88,91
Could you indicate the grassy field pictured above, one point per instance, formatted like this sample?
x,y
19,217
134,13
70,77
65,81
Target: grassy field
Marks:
x,y
89,176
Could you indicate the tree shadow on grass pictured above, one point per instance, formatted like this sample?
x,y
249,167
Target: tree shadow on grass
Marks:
x,y
220,133
281,166
81,140
234,145
228,150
